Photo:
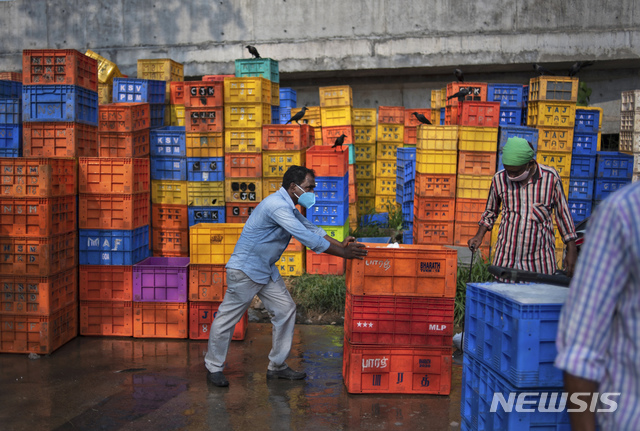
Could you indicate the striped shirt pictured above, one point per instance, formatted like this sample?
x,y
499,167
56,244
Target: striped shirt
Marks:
x,y
599,329
526,239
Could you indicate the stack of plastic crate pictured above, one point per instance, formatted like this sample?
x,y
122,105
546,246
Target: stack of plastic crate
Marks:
x,y
336,115
435,185
630,127
129,90
511,100
10,118
509,345
364,126
268,69
443,106
398,323
405,189
436,104
167,70
107,70
474,99
614,170
331,211
288,100
390,137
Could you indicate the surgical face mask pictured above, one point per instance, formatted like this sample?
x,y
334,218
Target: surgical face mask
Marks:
x,y
523,176
306,199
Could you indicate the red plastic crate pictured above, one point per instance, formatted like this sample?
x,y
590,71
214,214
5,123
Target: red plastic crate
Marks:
x,y
21,333
170,240
399,320
52,139
169,216
118,175
124,117
201,315
60,67
41,256
106,318
410,120
177,92
396,370
239,212
452,115
38,295
330,134
207,282
432,232
477,163
434,208
435,185
109,211
391,114
243,165
324,263
204,120
287,137
37,217
160,320
41,178
11,76
202,94
327,162
124,144
216,77
106,283
482,114
477,92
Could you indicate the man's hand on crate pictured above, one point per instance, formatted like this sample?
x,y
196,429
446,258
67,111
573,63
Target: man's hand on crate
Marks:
x,y
353,249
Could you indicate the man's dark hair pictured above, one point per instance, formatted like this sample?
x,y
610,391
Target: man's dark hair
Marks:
x,y
296,174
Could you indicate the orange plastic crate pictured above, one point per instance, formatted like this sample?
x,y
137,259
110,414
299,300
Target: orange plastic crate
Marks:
x,y
202,94
11,76
396,370
124,144
327,162
324,263
469,210
410,135
171,240
106,283
201,316
165,216
41,178
177,94
243,165
203,120
476,163
41,256
411,270
432,232
106,318
452,115
410,120
217,77
295,245
330,134
118,175
207,282
160,320
109,211
239,212
477,92
287,137
435,185
442,209
391,114
38,295
481,114
37,217
59,67
53,139
124,117
38,334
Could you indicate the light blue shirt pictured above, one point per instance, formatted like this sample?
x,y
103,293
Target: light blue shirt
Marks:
x,y
267,234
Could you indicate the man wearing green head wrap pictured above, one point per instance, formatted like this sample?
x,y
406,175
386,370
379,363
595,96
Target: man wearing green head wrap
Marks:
x,y
527,193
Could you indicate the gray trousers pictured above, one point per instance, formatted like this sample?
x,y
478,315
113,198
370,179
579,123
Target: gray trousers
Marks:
x,y
240,292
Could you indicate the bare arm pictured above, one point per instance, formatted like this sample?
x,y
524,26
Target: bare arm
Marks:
x,y
584,421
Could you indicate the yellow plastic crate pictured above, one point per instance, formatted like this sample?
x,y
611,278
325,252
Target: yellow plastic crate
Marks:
x,y
248,90
169,192
365,152
205,144
436,100
494,235
441,138
336,96
105,93
270,186
292,263
353,216
336,116
553,88
555,139
339,233
436,162
385,169
276,163
107,70
247,116
365,117
391,133
565,186
387,150
560,161
443,97
213,243
364,134
248,140
551,114
384,202
275,94
483,139
435,116
243,190
162,69
365,170
385,186
205,193
366,188
312,117
473,186
174,115
366,205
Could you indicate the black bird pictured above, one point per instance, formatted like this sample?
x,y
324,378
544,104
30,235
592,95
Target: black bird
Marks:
x,y
339,141
577,66
421,118
253,51
459,75
541,70
460,94
298,116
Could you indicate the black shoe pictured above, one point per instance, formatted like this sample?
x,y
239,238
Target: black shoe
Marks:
x,y
287,373
218,379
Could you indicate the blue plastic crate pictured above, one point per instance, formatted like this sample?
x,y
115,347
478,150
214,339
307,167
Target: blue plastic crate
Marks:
x,y
614,165
285,114
168,141
606,186
480,383
169,168
275,114
10,89
583,166
407,211
510,117
581,189
205,169
399,195
262,67
509,95
585,144
442,115
378,219
409,171
327,213
408,190
69,103
10,138
157,115
332,189
587,120
580,210
405,154
513,328
288,98
11,111
506,132
206,215
133,90
113,247
407,237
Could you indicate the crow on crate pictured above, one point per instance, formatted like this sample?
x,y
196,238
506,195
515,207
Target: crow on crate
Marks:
x,y
460,94
577,66
339,141
459,75
421,118
253,51
298,116
541,70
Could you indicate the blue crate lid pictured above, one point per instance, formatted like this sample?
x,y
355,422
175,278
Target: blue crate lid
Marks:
x,y
528,293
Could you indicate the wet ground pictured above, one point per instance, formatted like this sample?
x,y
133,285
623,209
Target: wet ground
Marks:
x,y
131,384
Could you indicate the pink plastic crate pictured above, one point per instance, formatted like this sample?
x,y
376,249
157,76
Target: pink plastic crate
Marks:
x,y
161,279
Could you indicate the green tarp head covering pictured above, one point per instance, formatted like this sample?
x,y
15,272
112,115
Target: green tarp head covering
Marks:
x,y
517,152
